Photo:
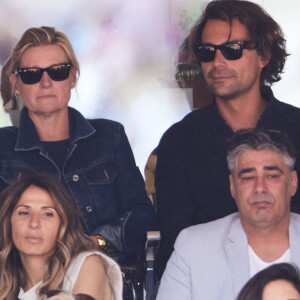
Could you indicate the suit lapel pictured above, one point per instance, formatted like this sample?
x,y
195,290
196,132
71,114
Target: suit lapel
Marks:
x,y
236,249
294,239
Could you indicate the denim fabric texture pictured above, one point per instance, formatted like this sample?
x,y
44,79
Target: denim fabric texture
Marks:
x,y
99,171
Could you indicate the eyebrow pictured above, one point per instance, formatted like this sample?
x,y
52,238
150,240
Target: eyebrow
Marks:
x,y
246,170
267,168
28,206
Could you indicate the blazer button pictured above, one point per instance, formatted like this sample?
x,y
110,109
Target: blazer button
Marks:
x,y
75,177
88,208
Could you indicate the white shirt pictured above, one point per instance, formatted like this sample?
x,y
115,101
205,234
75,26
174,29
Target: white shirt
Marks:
x,y
257,264
112,271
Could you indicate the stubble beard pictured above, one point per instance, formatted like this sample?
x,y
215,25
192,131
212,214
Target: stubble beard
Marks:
x,y
229,89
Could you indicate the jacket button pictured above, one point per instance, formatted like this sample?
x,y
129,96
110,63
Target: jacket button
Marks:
x,y
88,208
75,177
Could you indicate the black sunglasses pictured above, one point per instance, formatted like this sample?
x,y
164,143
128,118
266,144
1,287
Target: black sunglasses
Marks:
x,y
230,50
58,72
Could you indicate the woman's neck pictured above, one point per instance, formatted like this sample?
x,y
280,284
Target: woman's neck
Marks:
x,y
54,127
35,271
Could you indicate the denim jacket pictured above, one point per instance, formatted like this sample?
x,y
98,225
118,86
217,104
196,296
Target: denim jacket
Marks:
x,y
99,171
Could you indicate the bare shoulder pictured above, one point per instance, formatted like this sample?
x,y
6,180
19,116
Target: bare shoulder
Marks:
x,y
93,261
92,279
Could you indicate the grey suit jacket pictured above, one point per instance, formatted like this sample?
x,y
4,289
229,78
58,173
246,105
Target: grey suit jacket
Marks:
x,y
210,261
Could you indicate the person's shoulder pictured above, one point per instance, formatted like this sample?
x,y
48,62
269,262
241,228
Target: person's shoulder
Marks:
x,y
194,117
295,218
93,261
294,228
97,123
100,123
85,261
286,107
107,261
210,233
8,130
205,228
107,129
99,264
8,137
192,122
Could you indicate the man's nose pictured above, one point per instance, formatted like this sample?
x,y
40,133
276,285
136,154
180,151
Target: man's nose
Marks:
x,y
219,59
260,185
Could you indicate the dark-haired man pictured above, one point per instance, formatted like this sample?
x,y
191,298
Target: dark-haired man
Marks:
x,y
214,260
241,50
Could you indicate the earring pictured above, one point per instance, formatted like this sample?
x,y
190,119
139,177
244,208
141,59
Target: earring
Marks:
x,y
17,92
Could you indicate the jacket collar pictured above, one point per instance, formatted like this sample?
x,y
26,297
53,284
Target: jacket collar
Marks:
x,y
28,138
236,249
294,238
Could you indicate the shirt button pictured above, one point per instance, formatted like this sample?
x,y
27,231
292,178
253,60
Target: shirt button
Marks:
x,y
88,208
75,177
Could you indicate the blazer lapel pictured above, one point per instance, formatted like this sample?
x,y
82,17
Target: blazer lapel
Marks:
x,y
294,239
236,249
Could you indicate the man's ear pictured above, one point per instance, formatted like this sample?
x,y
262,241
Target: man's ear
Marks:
x,y
294,183
264,59
232,188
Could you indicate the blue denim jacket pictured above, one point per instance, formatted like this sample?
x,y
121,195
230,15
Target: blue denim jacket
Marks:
x,y
99,170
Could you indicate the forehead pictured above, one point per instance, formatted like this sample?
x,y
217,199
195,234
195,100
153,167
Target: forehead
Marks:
x,y
34,195
218,32
260,159
280,289
43,56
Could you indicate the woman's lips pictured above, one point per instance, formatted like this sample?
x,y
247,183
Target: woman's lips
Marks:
x,y
33,239
45,96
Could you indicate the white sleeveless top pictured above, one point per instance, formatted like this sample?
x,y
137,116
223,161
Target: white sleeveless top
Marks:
x,y
112,271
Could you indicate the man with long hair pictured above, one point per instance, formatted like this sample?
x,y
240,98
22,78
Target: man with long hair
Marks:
x,y
241,51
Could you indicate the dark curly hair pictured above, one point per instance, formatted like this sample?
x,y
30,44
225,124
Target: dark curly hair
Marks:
x,y
266,35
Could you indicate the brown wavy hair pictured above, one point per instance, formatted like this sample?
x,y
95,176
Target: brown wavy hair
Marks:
x,y
70,238
265,34
33,37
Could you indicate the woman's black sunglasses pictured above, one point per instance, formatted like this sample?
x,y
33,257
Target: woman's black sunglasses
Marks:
x,y
58,72
230,50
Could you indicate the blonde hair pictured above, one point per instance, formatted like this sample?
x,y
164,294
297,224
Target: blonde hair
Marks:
x,y
33,37
70,238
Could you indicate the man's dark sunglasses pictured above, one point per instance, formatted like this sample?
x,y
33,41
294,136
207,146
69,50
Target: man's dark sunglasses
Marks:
x,y
58,72
230,50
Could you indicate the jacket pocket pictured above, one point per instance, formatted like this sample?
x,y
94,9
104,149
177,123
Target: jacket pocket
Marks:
x,y
95,190
10,171
103,173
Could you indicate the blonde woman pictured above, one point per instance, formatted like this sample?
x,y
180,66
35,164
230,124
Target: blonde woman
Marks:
x,y
42,246
92,158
